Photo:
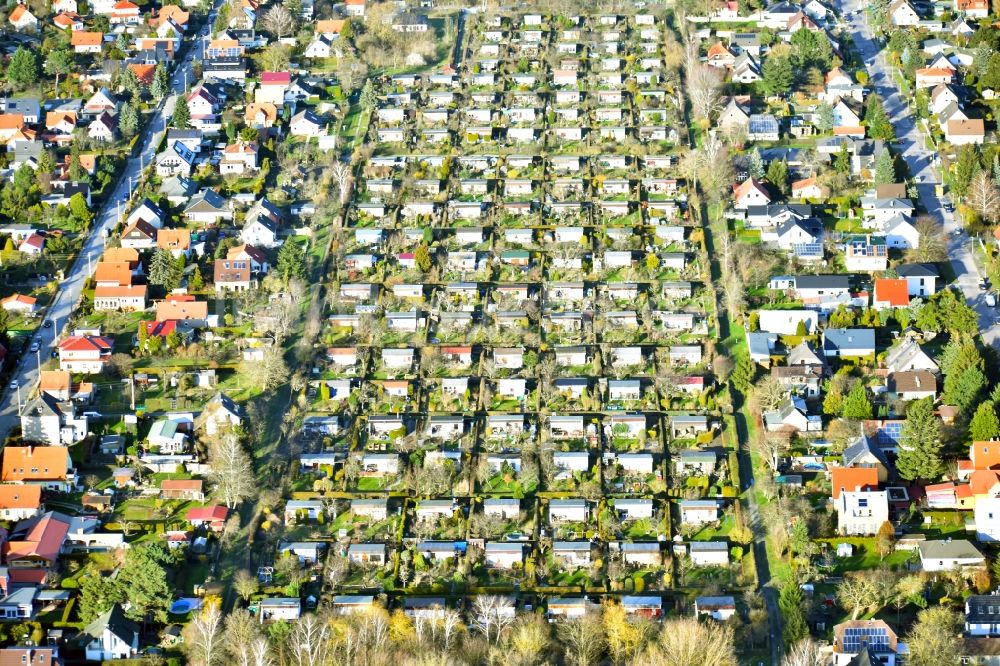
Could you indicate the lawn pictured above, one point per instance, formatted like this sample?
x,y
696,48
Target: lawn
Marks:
x,y
865,556
715,532
371,483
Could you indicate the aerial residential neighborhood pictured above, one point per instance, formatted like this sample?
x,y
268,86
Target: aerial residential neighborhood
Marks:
x,y
549,333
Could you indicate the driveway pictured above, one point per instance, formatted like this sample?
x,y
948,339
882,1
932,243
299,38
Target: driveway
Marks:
x,y
923,168
65,300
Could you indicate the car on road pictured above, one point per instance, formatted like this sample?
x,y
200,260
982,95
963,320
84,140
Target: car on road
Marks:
x,y
991,300
984,284
34,347
47,323
13,385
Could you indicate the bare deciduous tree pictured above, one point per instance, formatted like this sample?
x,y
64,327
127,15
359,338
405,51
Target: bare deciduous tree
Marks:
x,y
933,246
984,197
232,470
582,640
856,593
278,21
688,642
268,373
309,642
245,584
491,615
340,172
203,641
804,653
241,630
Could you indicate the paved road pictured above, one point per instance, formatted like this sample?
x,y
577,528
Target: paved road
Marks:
x,y
922,166
26,373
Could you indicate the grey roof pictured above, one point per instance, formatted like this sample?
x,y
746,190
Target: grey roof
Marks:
x,y
803,354
916,270
865,658
709,546
861,448
948,549
982,609
902,354
849,339
206,200
178,186
822,281
113,620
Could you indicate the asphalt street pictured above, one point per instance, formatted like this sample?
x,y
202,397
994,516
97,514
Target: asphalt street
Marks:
x,y
65,300
921,161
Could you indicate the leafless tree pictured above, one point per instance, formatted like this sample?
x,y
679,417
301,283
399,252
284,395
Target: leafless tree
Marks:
x,y
688,642
582,640
278,21
204,637
769,448
932,245
857,592
309,642
805,653
241,630
768,393
245,584
704,85
491,615
268,373
984,197
232,470
260,651
340,172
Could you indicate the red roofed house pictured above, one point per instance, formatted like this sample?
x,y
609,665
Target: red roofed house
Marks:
x,y
19,502
853,479
160,329
982,455
257,259
126,298
19,303
232,274
45,466
214,517
32,244
720,56
354,7
891,293
172,13
70,20
750,193
239,157
84,41
22,19
973,8
126,13
86,354
928,77
143,72
808,188
35,543
273,86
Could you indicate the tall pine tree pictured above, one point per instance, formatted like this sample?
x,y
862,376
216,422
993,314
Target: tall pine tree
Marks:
x,y
920,443
182,114
984,424
857,405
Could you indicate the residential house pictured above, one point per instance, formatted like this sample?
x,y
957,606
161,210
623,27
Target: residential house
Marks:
x,y
110,636
861,513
